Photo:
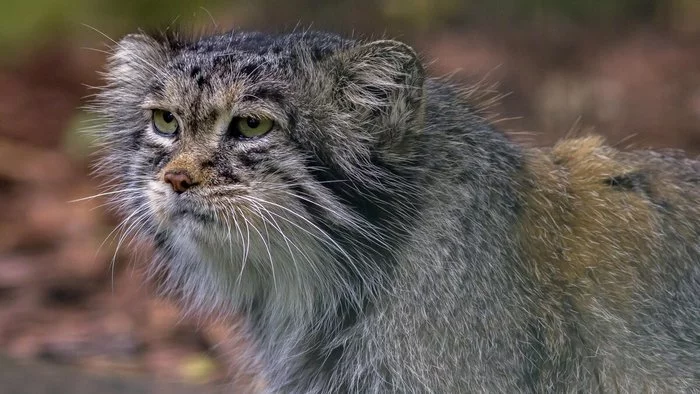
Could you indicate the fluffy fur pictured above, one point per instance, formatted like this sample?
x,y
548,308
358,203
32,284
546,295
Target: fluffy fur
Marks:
x,y
384,238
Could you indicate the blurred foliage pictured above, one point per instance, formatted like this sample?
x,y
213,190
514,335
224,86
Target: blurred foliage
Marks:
x,y
29,23
673,14
198,369
33,22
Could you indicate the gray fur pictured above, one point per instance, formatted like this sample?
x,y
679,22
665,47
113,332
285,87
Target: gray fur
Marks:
x,y
371,239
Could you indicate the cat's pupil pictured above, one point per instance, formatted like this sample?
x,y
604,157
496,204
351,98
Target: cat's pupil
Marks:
x,y
252,122
168,117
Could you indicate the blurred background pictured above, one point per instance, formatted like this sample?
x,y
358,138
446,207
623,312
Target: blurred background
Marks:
x,y
69,301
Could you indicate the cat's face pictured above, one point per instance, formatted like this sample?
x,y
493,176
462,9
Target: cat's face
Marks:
x,y
240,154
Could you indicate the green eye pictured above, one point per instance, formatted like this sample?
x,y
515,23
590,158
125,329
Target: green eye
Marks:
x,y
250,127
164,122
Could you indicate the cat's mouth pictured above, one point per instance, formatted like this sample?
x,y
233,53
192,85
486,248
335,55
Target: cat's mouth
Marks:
x,y
172,209
194,209
197,209
213,208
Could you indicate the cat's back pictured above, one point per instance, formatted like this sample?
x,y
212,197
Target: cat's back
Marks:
x,y
576,269
607,210
613,240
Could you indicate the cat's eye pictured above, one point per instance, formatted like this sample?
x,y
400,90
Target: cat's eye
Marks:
x,y
164,122
250,127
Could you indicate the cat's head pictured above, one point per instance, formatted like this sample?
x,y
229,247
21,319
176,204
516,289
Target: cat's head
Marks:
x,y
258,163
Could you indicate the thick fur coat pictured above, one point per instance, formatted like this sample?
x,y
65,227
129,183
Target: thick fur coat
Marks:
x,y
383,237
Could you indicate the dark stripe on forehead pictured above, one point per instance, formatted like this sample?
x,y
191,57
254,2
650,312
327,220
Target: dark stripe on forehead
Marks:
x,y
156,87
252,68
268,93
199,76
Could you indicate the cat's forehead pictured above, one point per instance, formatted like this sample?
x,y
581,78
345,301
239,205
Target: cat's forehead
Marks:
x,y
254,52
216,71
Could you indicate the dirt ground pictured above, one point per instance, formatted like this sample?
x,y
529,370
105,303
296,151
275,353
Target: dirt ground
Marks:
x,y
68,297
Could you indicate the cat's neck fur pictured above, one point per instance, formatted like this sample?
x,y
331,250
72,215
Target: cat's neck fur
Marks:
x,y
450,172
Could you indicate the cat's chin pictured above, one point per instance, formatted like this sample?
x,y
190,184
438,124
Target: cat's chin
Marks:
x,y
202,226
176,211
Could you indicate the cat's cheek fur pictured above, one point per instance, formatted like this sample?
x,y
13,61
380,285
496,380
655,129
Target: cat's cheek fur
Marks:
x,y
219,269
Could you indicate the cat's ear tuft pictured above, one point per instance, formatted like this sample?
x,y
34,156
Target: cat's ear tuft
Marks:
x,y
382,79
136,55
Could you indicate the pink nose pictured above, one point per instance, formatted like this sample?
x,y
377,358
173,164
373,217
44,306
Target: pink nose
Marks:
x,y
179,180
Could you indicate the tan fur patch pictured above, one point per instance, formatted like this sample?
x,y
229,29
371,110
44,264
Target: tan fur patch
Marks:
x,y
189,163
581,233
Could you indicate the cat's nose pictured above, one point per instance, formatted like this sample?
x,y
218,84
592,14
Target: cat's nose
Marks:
x,y
179,180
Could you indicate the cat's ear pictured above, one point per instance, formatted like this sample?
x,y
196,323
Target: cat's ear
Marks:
x,y
136,55
381,80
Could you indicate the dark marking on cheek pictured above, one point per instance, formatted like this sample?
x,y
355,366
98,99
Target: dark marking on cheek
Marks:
x,y
250,161
160,240
379,206
229,175
223,169
261,150
303,197
292,120
252,157
152,146
157,160
134,142
286,179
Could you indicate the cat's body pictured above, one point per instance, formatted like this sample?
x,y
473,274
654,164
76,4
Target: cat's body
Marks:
x,y
383,237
